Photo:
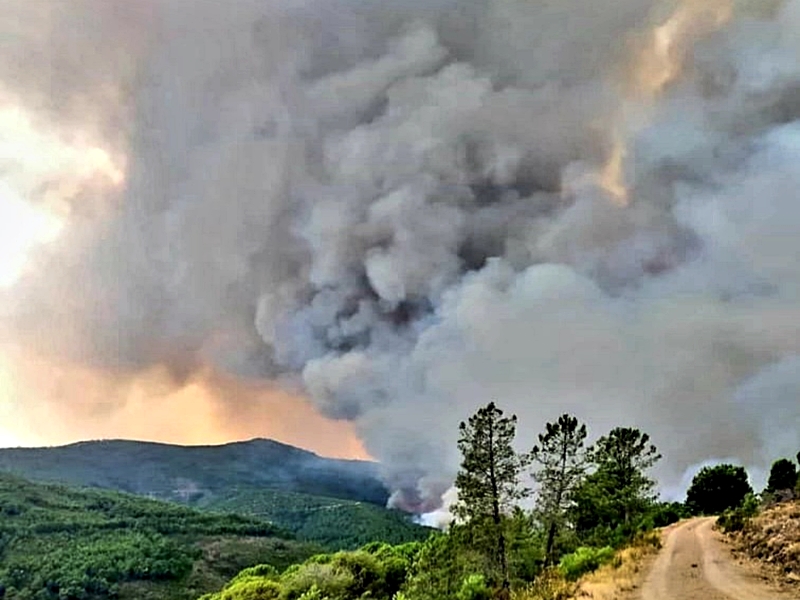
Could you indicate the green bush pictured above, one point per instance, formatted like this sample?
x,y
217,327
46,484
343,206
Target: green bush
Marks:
x,y
666,513
332,582
584,560
750,505
735,519
254,588
265,571
474,588
731,520
313,593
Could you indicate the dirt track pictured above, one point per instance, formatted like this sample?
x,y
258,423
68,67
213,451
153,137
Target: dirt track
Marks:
x,y
695,565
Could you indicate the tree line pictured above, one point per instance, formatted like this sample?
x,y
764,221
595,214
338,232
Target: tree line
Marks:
x,y
596,495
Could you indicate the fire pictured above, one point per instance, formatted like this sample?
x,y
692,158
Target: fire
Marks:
x,y
55,402
612,176
661,60
658,62
40,176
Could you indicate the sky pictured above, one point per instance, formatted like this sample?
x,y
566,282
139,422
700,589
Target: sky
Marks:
x,y
347,224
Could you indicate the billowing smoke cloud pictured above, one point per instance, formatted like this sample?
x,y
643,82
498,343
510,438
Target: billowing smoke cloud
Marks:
x,y
399,207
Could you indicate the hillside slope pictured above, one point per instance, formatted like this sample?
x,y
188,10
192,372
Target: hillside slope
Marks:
x,y
57,542
773,538
333,523
191,473
335,503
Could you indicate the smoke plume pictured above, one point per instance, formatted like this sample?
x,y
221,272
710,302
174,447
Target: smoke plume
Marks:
x,y
405,209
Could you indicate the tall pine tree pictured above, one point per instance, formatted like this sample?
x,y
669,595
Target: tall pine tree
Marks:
x,y
563,459
488,482
619,492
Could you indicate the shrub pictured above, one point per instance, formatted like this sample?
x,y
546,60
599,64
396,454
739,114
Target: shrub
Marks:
x,y
750,505
313,593
331,582
735,519
254,588
474,588
584,560
731,520
666,513
263,571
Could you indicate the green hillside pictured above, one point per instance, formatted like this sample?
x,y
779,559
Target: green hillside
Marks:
x,y
335,503
191,473
333,523
61,543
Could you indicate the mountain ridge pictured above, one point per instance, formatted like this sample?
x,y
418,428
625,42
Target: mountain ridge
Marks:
x,y
173,472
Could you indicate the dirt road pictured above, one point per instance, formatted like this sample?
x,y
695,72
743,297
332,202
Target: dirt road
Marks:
x,y
694,564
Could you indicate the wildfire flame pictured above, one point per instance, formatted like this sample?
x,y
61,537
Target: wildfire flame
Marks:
x,y
612,176
659,61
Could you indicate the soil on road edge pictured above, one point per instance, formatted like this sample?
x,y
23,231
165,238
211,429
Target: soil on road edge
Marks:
x,y
695,564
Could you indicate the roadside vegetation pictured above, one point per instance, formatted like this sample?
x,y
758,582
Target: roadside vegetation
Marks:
x,y
736,504
767,527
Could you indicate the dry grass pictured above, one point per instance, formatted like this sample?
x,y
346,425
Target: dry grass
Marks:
x,y
610,582
773,538
620,578
550,585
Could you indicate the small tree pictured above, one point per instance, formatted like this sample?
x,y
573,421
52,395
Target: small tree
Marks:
x,y
716,489
782,476
488,482
563,460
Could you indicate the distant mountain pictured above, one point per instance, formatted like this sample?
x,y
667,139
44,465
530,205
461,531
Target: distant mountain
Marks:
x,y
338,504
191,474
57,543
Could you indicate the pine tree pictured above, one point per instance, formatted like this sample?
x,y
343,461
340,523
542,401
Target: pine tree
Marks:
x,y
619,490
488,482
564,459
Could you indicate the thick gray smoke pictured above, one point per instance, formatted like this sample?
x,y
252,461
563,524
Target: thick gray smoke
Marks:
x,y
391,204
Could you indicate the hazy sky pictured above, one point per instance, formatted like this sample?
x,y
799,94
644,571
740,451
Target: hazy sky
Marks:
x,y
347,224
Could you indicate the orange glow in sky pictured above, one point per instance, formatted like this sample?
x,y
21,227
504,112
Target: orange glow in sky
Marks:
x,y
75,403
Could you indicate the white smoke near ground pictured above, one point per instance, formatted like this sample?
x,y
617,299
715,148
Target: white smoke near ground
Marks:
x,y
394,207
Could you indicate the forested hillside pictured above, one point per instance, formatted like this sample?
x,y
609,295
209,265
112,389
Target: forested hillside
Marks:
x,y
61,543
190,473
334,503
333,523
